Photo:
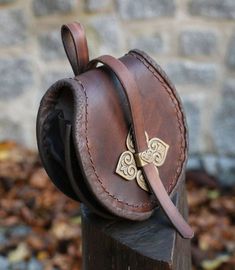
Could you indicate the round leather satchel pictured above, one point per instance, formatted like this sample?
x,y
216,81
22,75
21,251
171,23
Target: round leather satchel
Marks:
x,y
114,137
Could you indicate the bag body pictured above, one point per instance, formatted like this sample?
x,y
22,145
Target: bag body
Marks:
x,y
114,137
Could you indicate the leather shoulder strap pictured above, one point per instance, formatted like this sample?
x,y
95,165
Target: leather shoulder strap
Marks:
x,y
75,45
133,96
149,170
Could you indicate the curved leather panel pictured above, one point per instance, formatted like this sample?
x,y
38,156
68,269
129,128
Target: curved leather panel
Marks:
x,y
106,127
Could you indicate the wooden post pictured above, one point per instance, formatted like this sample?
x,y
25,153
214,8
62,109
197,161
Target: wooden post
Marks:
x,y
124,245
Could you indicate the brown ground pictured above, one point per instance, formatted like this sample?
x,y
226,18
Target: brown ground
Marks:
x,y
40,227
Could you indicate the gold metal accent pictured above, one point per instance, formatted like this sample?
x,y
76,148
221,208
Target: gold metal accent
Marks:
x,y
126,166
144,158
141,182
129,143
129,160
159,149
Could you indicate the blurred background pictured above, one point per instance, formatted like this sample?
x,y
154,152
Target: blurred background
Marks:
x,y
193,40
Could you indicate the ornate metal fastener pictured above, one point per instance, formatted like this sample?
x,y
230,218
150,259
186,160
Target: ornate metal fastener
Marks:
x,y
129,161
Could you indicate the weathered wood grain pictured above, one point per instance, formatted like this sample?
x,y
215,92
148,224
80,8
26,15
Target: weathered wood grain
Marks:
x,y
124,245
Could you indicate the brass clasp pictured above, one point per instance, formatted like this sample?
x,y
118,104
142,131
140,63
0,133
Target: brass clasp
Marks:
x,y
129,161
144,158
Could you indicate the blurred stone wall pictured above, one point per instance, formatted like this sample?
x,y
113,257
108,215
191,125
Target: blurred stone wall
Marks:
x,y
194,40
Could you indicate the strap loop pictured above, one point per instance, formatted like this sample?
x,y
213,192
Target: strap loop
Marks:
x,y
75,45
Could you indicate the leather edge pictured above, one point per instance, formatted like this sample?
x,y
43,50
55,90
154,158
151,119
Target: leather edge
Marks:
x,y
162,73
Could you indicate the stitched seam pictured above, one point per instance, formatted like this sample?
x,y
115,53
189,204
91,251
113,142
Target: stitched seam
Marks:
x,y
178,114
92,162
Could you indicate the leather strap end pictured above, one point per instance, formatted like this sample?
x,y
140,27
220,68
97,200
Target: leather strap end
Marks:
x,y
173,214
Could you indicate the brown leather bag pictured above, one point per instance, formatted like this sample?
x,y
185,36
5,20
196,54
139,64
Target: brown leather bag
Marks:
x,y
114,137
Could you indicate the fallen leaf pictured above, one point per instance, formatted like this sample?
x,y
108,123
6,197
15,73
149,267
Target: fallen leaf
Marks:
x,y
42,255
214,264
21,253
63,230
39,179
